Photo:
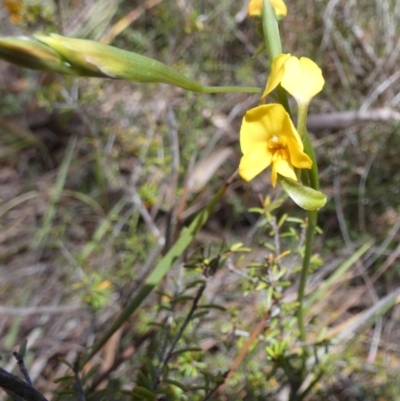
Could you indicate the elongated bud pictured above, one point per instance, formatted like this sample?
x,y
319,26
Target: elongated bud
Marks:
x,y
91,58
28,53
87,58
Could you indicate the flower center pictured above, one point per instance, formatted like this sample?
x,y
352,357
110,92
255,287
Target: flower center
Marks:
x,y
277,142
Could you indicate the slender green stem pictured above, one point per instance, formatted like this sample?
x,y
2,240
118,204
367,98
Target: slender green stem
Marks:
x,y
312,221
312,216
313,173
230,89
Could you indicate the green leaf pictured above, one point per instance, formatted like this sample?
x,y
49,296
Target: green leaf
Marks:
x,y
143,393
305,197
143,381
194,283
198,315
188,349
181,298
214,306
177,384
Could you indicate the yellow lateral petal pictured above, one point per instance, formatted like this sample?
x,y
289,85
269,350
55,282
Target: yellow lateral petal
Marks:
x,y
297,157
253,162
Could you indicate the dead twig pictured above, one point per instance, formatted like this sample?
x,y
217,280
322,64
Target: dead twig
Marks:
x,y
346,119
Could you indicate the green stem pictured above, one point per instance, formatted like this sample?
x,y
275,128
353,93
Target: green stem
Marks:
x,y
309,150
313,173
230,89
312,216
312,221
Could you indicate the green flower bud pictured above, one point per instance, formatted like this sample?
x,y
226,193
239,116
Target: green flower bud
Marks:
x,y
96,59
71,56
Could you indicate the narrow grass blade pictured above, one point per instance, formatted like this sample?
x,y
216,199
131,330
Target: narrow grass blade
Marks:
x,y
42,234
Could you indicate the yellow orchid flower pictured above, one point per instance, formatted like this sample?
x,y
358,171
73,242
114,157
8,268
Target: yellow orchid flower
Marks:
x,y
268,137
302,78
254,9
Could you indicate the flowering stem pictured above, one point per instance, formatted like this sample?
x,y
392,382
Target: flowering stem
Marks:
x,y
230,89
302,130
313,173
312,217
312,221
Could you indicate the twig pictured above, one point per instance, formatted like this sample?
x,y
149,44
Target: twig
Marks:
x,y
22,367
78,383
181,330
346,119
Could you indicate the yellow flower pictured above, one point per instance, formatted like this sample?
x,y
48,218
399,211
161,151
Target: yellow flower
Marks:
x,y
254,9
302,78
268,137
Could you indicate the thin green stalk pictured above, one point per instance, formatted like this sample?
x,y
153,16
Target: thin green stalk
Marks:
x,y
308,148
312,218
230,89
312,222
313,173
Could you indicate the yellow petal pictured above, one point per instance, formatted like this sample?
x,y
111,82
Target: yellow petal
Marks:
x,y
263,122
253,162
297,157
282,167
277,71
253,130
302,79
